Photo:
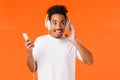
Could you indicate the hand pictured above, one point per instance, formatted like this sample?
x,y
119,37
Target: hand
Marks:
x,y
72,35
29,46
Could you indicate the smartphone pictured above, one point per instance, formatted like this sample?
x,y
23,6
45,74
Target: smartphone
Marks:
x,y
25,36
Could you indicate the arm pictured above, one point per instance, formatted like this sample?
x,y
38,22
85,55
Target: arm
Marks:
x,y
85,54
30,60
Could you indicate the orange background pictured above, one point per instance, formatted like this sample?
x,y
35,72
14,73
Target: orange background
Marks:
x,y
97,24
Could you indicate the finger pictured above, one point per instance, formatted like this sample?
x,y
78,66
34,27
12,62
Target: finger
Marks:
x,y
27,40
28,43
72,31
71,28
30,46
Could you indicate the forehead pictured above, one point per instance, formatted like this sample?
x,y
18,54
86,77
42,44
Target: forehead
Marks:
x,y
57,17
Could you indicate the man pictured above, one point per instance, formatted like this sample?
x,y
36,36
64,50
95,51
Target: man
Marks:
x,y
54,55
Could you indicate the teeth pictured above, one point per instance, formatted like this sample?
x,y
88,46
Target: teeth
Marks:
x,y
58,31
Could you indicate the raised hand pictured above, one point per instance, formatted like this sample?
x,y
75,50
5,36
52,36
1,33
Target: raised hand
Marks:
x,y
72,35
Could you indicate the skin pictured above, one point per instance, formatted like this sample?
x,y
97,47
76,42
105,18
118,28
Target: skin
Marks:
x,y
58,23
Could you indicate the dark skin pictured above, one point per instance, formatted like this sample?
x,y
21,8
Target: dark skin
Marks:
x,y
58,22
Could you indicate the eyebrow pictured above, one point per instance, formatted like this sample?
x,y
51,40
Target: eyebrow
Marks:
x,y
56,20
62,20
53,20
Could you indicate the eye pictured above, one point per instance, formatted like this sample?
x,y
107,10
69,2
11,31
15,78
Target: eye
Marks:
x,y
54,23
62,22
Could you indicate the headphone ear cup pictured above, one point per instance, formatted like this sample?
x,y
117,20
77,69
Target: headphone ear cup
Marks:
x,y
48,25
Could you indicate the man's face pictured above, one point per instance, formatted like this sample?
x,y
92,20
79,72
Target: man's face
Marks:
x,y
57,25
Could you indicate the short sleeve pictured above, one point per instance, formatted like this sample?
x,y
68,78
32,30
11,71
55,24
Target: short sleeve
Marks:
x,y
79,56
36,49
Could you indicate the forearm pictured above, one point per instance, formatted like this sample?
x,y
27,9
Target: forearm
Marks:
x,y
85,54
31,63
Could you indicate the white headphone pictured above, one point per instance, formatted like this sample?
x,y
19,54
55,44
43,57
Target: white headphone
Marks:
x,y
48,26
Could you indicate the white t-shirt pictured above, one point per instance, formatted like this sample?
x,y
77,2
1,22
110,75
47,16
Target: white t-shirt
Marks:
x,y
56,58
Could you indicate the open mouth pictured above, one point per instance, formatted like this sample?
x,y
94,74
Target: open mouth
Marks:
x,y
59,32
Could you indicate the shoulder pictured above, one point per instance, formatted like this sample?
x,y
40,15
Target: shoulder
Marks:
x,y
40,39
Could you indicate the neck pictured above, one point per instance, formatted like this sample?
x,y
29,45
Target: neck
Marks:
x,y
52,35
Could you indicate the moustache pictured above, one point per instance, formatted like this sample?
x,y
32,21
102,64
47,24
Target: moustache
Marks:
x,y
58,29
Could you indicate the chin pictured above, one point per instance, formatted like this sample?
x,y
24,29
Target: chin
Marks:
x,y
58,36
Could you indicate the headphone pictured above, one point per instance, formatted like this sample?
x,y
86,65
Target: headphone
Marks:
x,y
48,26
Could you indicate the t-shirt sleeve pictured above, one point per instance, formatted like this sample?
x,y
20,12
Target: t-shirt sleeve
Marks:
x,y
36,49
79,56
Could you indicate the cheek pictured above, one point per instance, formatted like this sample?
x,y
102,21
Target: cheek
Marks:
x,y
53,29
52,26
63,26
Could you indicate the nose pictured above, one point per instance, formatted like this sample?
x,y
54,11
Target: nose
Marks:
x,y
58,26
